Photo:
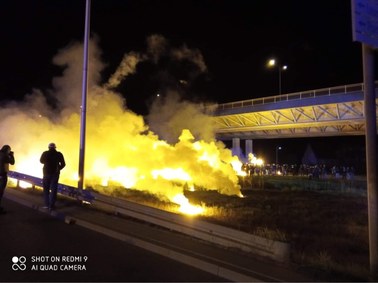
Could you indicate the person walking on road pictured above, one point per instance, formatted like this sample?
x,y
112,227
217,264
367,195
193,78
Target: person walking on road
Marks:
x,y
53,162
6,158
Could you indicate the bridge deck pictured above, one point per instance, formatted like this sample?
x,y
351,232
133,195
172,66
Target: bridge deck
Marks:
x,y
323,112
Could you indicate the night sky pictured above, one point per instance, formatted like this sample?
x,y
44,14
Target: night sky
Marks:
x,y
235,38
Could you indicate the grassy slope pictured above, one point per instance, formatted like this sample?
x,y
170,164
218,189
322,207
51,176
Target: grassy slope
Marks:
x,y
327,229
325,221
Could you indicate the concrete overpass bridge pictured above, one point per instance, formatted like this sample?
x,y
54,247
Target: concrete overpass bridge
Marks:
x,y
334,111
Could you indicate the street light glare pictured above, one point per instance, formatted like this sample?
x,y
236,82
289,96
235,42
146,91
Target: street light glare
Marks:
x,y
271,62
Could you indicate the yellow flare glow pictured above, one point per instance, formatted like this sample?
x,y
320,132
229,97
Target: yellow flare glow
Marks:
x,y
156,144
237,165
24,185
197,146
186,207
15,182
252,159
171,174
104,182
186,135
30,164
75,176
122,175
127,177
121,149
211,159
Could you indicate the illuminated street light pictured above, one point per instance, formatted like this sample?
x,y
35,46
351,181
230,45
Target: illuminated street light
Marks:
x,y
272,63
277,149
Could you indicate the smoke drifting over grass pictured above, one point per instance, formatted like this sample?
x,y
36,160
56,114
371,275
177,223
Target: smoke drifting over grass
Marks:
x,y
121,150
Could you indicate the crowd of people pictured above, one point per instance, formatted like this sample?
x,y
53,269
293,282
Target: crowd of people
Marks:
x,y
311,171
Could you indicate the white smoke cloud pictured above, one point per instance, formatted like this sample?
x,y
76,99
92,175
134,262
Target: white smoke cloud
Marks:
x,y
67,88
156,46
193,55
127,67
170,114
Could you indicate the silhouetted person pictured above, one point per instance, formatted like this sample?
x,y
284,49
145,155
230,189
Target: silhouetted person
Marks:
x,y
6,158
53,161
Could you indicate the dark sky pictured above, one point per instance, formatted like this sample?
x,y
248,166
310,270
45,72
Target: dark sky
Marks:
x,y
235,37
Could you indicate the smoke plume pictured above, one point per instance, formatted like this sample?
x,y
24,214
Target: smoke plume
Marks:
x,y
121,150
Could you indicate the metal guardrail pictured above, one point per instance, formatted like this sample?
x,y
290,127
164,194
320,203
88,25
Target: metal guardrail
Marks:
x,y
209,232
295,96
62,189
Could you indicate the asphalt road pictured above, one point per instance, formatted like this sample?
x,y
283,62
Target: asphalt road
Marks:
x,y
49,243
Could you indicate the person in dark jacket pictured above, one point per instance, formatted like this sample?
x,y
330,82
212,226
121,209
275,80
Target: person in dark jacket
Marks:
x,y
6,158
53,162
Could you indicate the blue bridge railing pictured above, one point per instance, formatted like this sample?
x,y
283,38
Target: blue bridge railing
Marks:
x,y
359,87
83,195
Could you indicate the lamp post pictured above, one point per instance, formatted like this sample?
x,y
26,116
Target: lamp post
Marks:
x,y
277,149
272,63
84,96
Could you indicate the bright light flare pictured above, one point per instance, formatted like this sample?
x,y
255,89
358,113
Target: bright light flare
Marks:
x,y
237,165
30,164
171,174
186,207
252,159
271,62
24,185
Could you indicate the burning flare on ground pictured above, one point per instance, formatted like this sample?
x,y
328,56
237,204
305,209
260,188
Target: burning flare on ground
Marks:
x,y
121,151
186,207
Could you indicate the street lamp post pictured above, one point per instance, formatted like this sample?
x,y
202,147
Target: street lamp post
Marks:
x,y
277,149
84,96
272,63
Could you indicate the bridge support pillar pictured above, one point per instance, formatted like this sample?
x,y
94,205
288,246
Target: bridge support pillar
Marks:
x,y
236,150
248,147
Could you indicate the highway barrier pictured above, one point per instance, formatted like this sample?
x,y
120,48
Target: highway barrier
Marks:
x,y
213,233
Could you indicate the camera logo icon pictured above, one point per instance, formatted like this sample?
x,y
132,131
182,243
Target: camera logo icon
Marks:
x,y
19,263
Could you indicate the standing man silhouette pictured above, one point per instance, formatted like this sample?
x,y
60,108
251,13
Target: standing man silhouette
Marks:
x,y
53,162
6,158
